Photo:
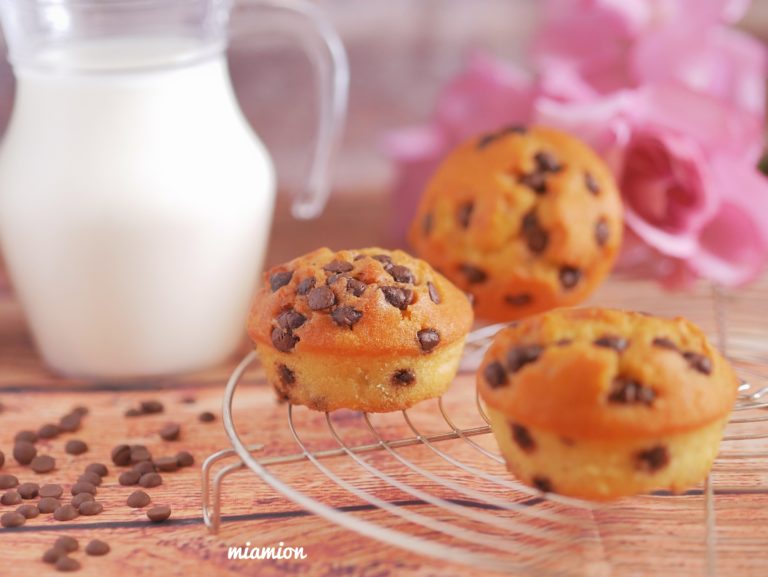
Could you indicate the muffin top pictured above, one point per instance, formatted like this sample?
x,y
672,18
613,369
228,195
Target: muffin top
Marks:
x,y
599,373
358,302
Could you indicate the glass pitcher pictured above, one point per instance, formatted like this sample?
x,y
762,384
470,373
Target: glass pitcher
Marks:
x,y
135,201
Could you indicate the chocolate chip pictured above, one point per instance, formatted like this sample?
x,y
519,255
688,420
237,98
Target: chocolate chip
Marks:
x,y
614,342
382,258
133,412
518,300
67,544
320,298
206,417
284,340
664,343
144,467
10,497
83,487
398,297
43,464
290,319
428,339
48,431
8,481
334,277
170,432
591,183
338,266
71,422
543,484
28,490
98,468
495,375
150,480
653,459
492,137
24,452
65,513
546,162
81,498
76,447
121,455
140,453
602,231
159,514
518,357
166,464
433,294
698,362
464,213
404,377
287,376
569,276
48,504
523,438
91,478
346,316
12,519
90,508
67,564
28,436
426,224
138,499
97,548
536,181
628,391
51,490
128,478
185,459
535,236
280,279
401,274
473,274
356,287
151,407
305,286
52,555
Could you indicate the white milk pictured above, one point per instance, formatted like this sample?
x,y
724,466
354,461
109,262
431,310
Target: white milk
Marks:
x,y
134,211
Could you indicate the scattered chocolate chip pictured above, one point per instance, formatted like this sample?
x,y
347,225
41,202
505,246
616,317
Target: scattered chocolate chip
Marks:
x,y
121,455
83,487
128,478
546,162
166,464
67,564
305,286
81,410
664,343
159,514
401,274
8,481
591,183
543,484
518,357
144,467
206,417
320,298
10,497
495,375
338,266
428,339
28,436
602,231
356,287
426,224
52,555
628,391
518,300
81,498
359,257
170,432
28,490
280,279
398,297
24,452
151,407
493,136
287,376
70,423
698,362
185,459
382,258
334,277
652,459
403,377
569,276
76,447
48,431
290,319
48,504
51,490
536,181
150,480
12,519
65,513
283,339
43,464
614,342
523,438
473,274
188,399
133,412
535,236
67,544
91,478
138,499
346,316
140,453
90,508
464,213
433,294
97,548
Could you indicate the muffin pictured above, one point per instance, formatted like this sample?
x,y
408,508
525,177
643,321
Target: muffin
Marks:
x,y
523,219
370,330
599,403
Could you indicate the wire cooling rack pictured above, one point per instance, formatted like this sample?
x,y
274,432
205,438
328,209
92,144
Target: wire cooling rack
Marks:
x,y
473,512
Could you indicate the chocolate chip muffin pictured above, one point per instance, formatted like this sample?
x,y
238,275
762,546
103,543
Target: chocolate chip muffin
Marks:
x,y
370,330
523,219
599,403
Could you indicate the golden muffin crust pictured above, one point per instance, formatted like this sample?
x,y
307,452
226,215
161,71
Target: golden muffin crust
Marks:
x,y
369,302
524,219
606,374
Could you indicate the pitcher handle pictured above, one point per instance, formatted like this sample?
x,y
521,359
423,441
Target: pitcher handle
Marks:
x,y
326,53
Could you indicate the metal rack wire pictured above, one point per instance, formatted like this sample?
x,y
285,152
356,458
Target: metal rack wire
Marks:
x,y
475,513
